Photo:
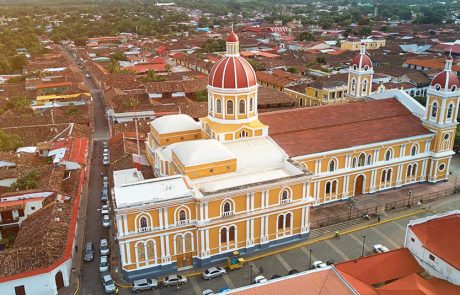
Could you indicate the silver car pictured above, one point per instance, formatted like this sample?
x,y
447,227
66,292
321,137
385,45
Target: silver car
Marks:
x,y
104,264
104,247
106,221
174,280
213,272
107,283
144,284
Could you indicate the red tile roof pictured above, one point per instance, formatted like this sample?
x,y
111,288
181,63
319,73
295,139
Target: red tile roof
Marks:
x,y
410,285
306,131
441,236
144,68
444,287
392,265
79,150
55,84
324,282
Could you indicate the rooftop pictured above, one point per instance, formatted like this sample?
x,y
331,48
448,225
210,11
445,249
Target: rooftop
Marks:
x,y
307,131
175,123
151,190
203,151
121,177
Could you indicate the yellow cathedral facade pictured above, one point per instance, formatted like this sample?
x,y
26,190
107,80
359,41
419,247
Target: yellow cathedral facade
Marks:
x,y
240,180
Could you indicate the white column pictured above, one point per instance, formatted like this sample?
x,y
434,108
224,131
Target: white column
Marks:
x,y
262,228
344,187
125,223
248,201
399,175
423,173
304,190
202,245
252,201
206,212
248,243
121,231
165,210
267,198
315,191
201,212
207,240
401,150
252,230
167,245
122,253
128,256
160,217
308,189
162,248
266,227
302,222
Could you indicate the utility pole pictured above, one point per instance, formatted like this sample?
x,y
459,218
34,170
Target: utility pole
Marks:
x,y
364,241
309,263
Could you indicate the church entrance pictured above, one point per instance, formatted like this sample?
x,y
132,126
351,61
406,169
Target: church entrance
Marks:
x,y
59,280
359,183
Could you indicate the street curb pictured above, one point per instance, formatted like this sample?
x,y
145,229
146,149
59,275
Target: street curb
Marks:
x,y
314,241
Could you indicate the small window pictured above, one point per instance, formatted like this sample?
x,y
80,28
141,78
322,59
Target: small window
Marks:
x,y
353,164
354,67
441,167
218,106
332,165
413,151
230,107
251,104
143,222
438,87
182,215
454,87
32,208
362,160
388,155
242,106
366,68
450,109
446,136
369,159
328,188
227,207
434,110
412,240
432,258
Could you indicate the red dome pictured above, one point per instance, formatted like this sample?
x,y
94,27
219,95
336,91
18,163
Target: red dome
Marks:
x,y
232,37
446,80
361,60
232,72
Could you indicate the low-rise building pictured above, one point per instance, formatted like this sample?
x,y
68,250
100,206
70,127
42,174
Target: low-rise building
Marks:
x,y
354,43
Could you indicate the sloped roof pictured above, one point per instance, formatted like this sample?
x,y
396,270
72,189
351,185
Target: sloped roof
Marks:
x,y
410,285
306,131
441,236
174,123
203,151
365,269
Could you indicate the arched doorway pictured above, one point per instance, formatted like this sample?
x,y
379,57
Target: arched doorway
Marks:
x,y
59,280
359,184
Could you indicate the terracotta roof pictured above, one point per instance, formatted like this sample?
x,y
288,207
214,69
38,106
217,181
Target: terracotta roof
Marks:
x,y
324,282
232,37
361,61
232,72
444,287
411,285
441,236
365,270
432,63
273,79
306,131
187,86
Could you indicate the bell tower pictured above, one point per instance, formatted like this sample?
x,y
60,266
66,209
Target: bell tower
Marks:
x,y
441,118
360,75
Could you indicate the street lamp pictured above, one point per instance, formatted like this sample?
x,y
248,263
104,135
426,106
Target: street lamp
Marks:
x,y
364,241
309,263
349,213
250,282
410,195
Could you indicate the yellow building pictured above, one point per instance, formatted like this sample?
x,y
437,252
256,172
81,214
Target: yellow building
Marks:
x,y
354,44
230,183
326,92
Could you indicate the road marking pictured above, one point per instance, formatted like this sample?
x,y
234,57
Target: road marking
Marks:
x,y
156,291
228,281
307,252
283,262
385,237
360,242
336,249
195,286
400,226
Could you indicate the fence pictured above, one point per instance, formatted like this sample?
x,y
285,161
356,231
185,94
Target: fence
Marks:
x,y
373,211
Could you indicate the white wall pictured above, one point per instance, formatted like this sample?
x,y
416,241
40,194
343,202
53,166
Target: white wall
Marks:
x,y
42,284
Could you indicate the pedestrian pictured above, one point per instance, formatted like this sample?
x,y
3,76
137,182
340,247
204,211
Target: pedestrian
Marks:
x,y
419,203
337,234
378,218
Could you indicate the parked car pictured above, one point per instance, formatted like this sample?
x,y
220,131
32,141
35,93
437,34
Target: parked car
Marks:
x,y
174,280
105,160
275,276
144,284
107,283
87,76
105,220
319,264
378,248
213,272
260,280
104,247
105,180
208,292
105,151
105,209
293,271
105,144
104,264
105,186
89,252
104,196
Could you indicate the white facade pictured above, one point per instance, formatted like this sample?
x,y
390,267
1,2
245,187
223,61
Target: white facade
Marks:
x,y
431,263
41,284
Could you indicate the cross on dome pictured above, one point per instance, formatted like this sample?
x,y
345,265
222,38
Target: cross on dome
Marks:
x,y
362,61
447,79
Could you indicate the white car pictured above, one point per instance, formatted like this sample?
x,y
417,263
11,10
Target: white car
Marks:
x,y
378,248
213,272
208,292
104,247
105,209
319,264
104,264
105,221
108,284
174,280
144,284
260,280
105,160
105,180
105,152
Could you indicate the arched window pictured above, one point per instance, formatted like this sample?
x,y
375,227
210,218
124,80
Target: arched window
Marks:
x,y
143,224
182,215
231,234
334,187
218,106
285,195
434,110
413,150
223,235
409,171
251,104
364,86
362,160
414,170
450,110
244,134
288,220
280,222
388,155
210,104
140,252
227,207
328,187
242,106
353,164
230,107
389,175
332,165
369,159
353,84
384,176
150,250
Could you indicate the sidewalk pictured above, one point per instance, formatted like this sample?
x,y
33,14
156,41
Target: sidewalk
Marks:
x,y
380,202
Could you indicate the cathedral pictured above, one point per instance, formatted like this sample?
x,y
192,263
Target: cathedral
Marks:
x,y
240,180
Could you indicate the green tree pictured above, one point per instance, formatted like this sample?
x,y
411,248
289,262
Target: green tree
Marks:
x,y
255,64
153,77
365,31
213,45
119,55
321,59
27,182
9,142
19,103
306,36
292,70
201,96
